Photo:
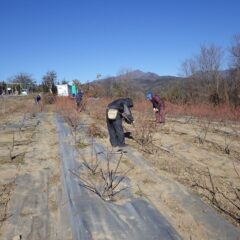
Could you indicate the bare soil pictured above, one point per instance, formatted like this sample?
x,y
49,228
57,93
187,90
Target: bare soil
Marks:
x,y
200,155
30,182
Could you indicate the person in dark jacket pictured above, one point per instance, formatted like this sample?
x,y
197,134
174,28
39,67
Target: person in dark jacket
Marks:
x,y
117,111
158,107
37,99
78,99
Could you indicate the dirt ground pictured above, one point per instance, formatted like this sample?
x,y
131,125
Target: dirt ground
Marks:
x,y
201,156
30,172
204,156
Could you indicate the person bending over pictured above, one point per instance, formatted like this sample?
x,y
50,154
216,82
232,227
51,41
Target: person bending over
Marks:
x,y
117,111
158,107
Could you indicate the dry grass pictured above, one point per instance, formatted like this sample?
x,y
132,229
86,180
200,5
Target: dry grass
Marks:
x,y
16,113
95,131
208,125
143,133
97,108
221,112
67,108
5,192
200,110
217,191
14,105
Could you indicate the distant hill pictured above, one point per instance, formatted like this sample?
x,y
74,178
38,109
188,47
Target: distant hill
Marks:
x,y
176,89
159,83
140,75
144,80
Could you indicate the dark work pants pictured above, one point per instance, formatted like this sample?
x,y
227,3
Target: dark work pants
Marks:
x,y
116,132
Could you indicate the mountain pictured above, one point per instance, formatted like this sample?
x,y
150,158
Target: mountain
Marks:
x,y
159,83
143,80
140,75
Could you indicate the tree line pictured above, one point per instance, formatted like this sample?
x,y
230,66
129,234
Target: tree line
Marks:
x,y
25,81
205,81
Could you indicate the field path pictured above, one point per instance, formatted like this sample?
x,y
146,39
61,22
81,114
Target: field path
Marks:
x,y
92,218
37,208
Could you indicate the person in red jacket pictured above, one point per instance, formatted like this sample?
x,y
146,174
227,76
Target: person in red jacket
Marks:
x,y
158,107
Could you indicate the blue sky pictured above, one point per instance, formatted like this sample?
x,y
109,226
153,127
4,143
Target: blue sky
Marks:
x,y
80,38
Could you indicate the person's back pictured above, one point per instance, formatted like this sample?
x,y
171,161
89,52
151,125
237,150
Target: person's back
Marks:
x,y
158,102
38,98
78,99
116,111
123,105
79,96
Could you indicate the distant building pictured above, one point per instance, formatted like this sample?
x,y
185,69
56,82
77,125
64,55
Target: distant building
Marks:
x,y
63,90
69,89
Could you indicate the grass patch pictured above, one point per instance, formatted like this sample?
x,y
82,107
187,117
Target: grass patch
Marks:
x,y
95,131
140,193
148,181
19,159
128,163
5,144
81,145
4,159
5,192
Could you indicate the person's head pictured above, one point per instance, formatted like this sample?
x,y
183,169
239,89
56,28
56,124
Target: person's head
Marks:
x,y
149,96
129,102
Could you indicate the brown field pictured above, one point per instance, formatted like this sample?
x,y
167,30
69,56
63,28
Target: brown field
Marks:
x,y
197,149
197,146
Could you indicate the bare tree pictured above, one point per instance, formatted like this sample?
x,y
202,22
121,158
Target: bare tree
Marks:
x,y
190,86
233,83
235,51
209,61
203,74
107,87
49,80
123,85
25,80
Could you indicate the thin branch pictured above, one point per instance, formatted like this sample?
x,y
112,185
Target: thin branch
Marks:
x,y
227,198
